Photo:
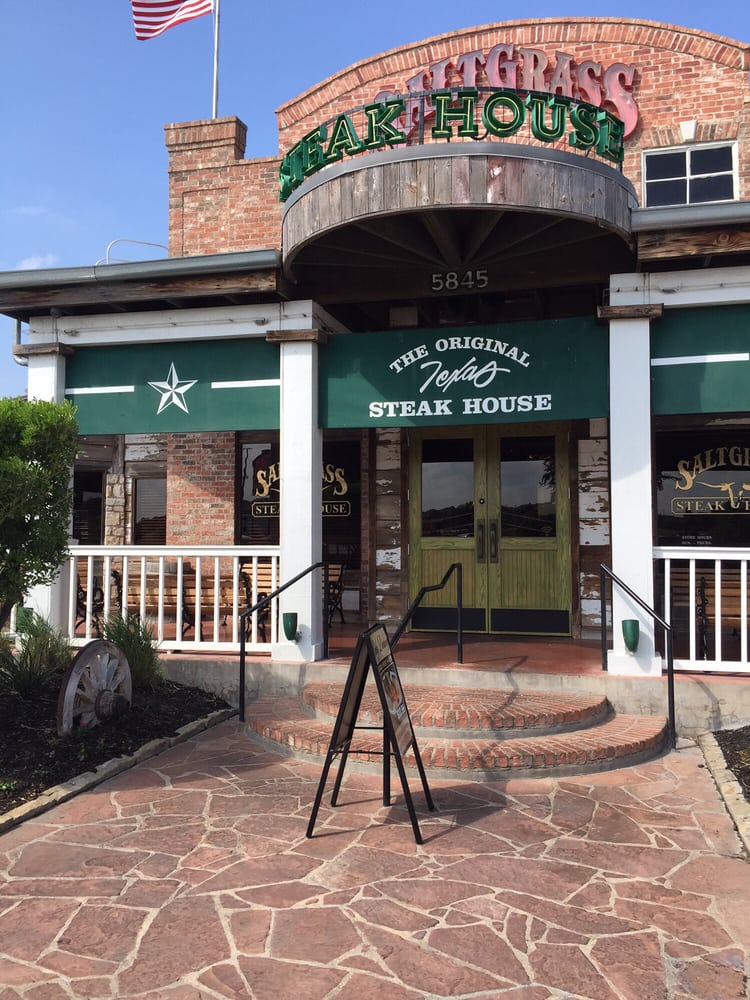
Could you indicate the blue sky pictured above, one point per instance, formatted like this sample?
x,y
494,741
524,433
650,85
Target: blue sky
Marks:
x,y
84,103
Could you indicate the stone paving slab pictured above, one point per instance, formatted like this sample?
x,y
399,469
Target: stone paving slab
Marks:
x,y
190,876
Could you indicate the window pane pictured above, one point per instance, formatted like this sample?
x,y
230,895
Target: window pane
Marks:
x,y
341,502
259,485
527,487
448,488
711,189
87,506
666,193
717,159
702,496
662,166
150,526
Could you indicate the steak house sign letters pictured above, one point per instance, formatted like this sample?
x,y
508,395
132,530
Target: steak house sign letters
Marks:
x,y
558,94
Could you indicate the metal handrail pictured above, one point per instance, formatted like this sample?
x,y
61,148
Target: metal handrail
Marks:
x,y
458,569
604,572
264,602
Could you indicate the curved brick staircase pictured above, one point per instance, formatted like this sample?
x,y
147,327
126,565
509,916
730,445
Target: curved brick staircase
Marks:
x,y
469,733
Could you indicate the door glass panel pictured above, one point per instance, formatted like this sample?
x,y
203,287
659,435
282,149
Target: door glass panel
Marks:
x,y
448,488
527,487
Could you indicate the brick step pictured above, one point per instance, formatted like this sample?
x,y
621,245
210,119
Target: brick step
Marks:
x,y
286,726
468,712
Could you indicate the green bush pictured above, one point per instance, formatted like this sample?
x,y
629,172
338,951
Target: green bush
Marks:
x,y
136,639
42,657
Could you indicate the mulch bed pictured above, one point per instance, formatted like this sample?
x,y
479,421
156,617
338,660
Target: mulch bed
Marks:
x,y
33,757
735,746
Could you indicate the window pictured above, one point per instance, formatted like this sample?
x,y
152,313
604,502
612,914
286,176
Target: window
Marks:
x,y
259,493
703,488
690,175
260,497
448,488
87,506
150,520
527,485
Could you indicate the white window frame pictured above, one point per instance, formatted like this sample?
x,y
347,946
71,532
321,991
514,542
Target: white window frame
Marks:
x,y
688,148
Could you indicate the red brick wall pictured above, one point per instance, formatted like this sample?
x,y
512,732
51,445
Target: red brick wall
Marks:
x,y
201,476
219,202
682,74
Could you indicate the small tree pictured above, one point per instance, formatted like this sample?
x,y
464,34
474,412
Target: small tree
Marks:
x,y
37,449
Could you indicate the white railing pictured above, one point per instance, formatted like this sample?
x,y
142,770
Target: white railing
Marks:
x,y
702,593
191,596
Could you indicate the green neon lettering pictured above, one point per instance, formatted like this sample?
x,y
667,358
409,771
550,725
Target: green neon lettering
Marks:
x,y
503,101
460,108
312,150
291,173
380,128
539,104
611,133
343,140
583,120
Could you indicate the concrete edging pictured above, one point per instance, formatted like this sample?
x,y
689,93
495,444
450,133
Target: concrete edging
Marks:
x,y
729,788
67,789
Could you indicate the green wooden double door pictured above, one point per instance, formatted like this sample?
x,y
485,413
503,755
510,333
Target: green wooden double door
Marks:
x,y
496,500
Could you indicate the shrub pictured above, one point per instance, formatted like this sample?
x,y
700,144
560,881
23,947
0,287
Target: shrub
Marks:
x,y
42,657
136,639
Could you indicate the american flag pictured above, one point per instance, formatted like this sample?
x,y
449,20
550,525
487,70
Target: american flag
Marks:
x,y
152,17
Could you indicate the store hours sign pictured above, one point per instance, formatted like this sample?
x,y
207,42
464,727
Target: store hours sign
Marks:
x,y
554,370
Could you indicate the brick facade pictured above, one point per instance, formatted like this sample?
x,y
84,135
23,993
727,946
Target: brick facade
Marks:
x,y
220,202
201,487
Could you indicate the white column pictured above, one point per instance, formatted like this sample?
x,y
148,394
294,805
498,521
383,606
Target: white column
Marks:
x,y
46,381
301,461
631,490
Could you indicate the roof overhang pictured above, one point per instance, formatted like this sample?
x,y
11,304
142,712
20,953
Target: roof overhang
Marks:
x,y
523,215
172,283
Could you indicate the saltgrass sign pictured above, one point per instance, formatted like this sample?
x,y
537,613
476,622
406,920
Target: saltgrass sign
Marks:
x,y
465,113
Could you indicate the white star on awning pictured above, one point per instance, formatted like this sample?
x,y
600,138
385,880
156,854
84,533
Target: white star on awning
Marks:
x,y
172,390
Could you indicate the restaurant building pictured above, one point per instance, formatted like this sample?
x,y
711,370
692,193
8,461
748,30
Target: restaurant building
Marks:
x,y
490,305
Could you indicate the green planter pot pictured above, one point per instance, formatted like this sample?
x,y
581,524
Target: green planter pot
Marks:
x,y
631,633
23,619
289,624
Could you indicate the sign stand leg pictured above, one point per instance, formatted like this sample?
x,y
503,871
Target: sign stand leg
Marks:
x,y
321,789
386,768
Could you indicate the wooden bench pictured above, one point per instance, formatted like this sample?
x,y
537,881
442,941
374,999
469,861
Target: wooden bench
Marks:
x,y
260,572
169,596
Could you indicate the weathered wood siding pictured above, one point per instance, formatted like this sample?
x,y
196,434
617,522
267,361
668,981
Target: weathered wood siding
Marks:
x,y
476,177
390,562
593,524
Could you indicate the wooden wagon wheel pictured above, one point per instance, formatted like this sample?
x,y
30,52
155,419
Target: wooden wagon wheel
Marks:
x,y
97,685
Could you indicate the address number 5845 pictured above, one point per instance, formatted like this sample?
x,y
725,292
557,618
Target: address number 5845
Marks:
x,y
453,281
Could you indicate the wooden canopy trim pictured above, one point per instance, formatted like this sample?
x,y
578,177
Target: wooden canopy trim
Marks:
x,y
606,313
38,350
379,190
693,243
297,336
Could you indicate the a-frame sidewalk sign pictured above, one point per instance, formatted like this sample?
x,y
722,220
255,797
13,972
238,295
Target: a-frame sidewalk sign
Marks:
x,y
374,650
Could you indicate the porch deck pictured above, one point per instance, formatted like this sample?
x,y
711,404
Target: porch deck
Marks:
x,y
488,653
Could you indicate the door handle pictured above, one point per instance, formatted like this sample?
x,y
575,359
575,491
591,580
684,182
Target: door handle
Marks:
x,y
480,542
493,541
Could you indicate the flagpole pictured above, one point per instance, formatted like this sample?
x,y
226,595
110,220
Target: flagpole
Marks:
x,y
215,106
